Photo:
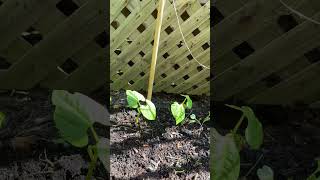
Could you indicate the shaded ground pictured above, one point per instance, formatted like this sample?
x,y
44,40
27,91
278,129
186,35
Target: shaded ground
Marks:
x,y
27,142
160,150
291,141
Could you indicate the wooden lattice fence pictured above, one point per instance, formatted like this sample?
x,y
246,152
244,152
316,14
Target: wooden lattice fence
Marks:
x,y
58,44
132,29
265,53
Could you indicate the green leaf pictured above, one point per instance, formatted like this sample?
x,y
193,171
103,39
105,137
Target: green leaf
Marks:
x,y
133,98
178,112
102,148
189,101
313,176
265,173
225,158
206,118
2,119
148,110
193,116
253,132
74,114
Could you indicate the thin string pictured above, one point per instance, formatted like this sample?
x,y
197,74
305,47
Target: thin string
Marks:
x,y
299,13
184,40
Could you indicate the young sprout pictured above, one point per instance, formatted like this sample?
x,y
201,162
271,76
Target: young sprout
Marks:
x,y
136,100
178,110
193,119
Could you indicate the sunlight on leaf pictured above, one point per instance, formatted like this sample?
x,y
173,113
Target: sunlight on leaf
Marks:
x,y
148,110
133,98
178,112
189,101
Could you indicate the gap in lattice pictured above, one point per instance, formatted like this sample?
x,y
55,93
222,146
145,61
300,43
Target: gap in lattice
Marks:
x,y
102,39
142,74
216,16
69,66
130,63
115,24
4,64
165,55
32,36
313,55
142,54
155,13
67,7
196,32
243,50
141,28
125,11
184,16
168,30
287,22
272,80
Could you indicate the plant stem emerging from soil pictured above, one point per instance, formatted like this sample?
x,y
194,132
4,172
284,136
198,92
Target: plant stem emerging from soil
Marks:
x,y
92,151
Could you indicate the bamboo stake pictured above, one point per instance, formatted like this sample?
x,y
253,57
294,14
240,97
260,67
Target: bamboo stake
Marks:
x,y
155,47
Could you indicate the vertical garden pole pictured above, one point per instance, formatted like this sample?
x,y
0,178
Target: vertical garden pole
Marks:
x,y
155,47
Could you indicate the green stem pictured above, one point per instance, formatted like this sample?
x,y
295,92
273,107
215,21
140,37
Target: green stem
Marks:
x,y
235,129
184,100
93,155
95,135
92,164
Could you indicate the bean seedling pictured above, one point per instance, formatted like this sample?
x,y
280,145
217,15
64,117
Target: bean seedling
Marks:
x,y
135,100
76,113
179,110
193,119
225,149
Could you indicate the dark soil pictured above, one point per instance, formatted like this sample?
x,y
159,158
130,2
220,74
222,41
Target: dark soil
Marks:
x,y
291,141
160,149
27,146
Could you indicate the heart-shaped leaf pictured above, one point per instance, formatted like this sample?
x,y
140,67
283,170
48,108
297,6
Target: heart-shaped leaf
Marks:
x,y
225,158
189,101
253,132
265,173
74,114
133,98
148,110
178,112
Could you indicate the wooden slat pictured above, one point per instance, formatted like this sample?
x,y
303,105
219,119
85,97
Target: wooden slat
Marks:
x,y
17,15
302,87
197,19
274,56
79,29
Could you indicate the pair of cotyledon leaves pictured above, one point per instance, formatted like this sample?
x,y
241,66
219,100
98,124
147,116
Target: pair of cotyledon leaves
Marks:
x,y
178,110
74,115
148,110
225,152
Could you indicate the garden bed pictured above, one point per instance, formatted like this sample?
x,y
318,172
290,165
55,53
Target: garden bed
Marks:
x,y
159,149
28,147
291,142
